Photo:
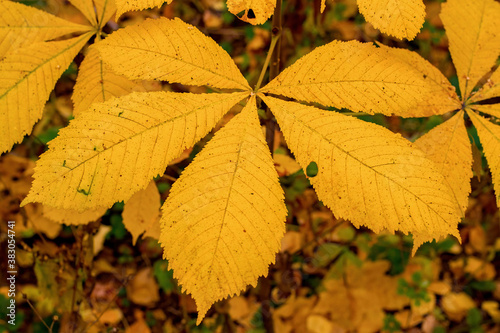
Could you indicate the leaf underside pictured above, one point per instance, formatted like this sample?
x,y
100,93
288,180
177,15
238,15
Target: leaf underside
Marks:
x,y
224,218
398,18
73,217
379,179
255,11
113,150
129,5
142,210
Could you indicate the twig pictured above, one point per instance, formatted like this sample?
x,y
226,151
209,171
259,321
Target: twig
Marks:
x,y
37,314
77,264
273,72
276,31
274,55
274,41
113,301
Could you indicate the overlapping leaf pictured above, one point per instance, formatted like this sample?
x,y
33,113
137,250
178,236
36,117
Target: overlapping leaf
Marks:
x,y
114,150
86,7
104,10
30,72
97,83
441,96
73,217
491,89
353,75
474,37
448,146
254,11
398,18
22,25
173,51
224,219
492,109
97,12
489,134
379,179
142,210
28,77
128,5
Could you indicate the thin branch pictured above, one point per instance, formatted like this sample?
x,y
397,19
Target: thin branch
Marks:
x,y
37,314
77,233
273,72
276,31
270,54
108,306
265,283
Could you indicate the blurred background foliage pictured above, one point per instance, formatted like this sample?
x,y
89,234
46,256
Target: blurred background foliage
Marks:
x,y
328,276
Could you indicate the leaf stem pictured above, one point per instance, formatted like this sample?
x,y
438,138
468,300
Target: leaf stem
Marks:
x,y
276,31
274,41
37,313
274,57
356,114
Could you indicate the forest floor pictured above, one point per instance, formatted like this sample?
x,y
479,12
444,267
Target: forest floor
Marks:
x,y
328,276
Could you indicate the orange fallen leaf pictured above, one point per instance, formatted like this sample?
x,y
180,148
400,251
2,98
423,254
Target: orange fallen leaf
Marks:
x,y
480,269
140,325
491,307
456,305
291,242
143,289
285,165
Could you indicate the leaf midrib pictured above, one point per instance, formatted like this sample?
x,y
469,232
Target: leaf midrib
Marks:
x,y
100,19
85,36
466,94
79,26
238,153
265,89
480,120
245,88
131,137
448,148
364,164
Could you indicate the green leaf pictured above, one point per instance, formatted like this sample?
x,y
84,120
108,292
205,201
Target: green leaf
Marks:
x,y
164,276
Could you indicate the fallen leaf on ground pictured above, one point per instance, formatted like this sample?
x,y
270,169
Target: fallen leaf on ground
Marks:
x,y
480,269
100,237
143,289
140,325
456,305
